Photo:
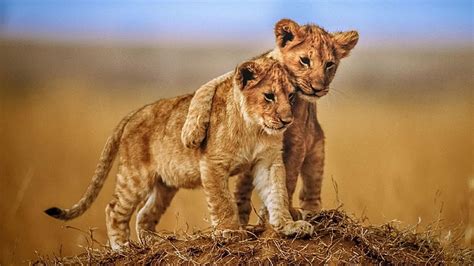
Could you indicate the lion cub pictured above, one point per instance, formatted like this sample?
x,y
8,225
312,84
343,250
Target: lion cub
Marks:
x,y
312,56
250,112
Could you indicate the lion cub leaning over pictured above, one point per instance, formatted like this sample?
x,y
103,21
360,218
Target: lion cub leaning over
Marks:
x,y
250,112
312,55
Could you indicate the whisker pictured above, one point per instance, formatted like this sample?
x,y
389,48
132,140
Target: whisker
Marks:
x,y
345,93
335,96
327,102
336,91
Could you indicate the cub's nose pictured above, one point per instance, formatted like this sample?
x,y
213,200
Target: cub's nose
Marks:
x,y
286,120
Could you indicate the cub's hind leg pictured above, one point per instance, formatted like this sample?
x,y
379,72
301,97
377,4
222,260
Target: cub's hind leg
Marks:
x,y
312,176
131,189
155,206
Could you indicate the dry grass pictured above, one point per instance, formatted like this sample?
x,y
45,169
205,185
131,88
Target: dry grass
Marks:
x,y
338,238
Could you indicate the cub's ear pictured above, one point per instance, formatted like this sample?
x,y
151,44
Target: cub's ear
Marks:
x,y
345,41
248,74
285,32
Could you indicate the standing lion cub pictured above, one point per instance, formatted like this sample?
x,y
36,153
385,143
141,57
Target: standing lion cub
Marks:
x,y
251,110
312,56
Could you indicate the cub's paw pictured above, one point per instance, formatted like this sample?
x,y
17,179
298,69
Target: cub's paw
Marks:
x,y
297,229
229,235
193,134
118,247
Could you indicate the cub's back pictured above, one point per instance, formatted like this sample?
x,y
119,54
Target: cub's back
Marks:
x,y
151,139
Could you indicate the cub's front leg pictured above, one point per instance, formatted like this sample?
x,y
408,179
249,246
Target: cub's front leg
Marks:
x,y
222,208
271,186
199,113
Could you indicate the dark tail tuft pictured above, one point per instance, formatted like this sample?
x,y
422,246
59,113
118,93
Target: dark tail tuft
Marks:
x,y
54,212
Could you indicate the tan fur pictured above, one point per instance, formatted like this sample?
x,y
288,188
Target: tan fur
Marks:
x,y
312,56
192,137
245,133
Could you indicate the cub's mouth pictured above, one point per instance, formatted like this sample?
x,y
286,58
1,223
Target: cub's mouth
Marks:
x,y
275,130
314,92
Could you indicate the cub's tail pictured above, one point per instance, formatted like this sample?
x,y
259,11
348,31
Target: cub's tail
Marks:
x,y
103,167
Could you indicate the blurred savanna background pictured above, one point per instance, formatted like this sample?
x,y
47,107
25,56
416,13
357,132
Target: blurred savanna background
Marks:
x,y
398,118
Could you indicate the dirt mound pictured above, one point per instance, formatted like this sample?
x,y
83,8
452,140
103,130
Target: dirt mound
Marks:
x,y
338,238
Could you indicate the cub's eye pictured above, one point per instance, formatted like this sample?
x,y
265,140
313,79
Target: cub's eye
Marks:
x,y
304,61
329,65
291,97
269,97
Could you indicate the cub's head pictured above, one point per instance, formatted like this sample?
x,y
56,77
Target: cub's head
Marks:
x,y
265,94
312,55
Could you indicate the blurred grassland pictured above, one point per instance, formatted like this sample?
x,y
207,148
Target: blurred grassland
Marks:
x,y
398,121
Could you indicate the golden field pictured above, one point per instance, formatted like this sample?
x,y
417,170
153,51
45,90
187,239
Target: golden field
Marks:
x,y
398,123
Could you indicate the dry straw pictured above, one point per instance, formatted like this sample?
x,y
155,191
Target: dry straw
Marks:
x,y
338,238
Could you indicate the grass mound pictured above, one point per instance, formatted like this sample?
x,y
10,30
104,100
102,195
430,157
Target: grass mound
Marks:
x,y
338,238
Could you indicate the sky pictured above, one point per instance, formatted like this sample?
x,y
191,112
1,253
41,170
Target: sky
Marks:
x,y
233,21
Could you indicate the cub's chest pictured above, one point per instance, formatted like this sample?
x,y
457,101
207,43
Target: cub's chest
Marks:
x,y
247,156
